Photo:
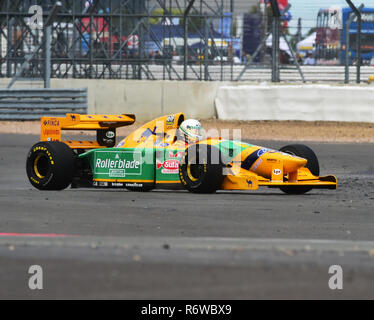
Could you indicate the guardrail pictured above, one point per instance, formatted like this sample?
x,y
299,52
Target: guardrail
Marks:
x,y
32,104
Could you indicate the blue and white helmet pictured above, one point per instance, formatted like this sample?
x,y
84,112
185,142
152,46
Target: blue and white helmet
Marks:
x,y
191,130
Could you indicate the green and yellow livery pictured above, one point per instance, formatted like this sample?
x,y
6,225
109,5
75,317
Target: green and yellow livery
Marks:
x,y
153,157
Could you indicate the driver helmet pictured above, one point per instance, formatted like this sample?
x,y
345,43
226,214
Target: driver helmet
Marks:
x,y
191,131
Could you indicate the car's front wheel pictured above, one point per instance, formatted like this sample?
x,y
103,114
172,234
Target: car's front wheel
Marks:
x,y
202,169
305,152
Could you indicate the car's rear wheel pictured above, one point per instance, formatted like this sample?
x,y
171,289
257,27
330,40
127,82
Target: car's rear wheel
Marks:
x,y
50,165
305,152
202,169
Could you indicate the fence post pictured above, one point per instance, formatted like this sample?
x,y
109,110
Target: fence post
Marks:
x,y
275,38
359,24
185,23
264,28
47,57
9,44
206,49
347,46
47,45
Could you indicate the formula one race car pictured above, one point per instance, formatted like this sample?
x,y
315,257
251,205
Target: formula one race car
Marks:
x,y
153,157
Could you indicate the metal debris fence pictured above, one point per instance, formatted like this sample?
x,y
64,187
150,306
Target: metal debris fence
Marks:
x,y
156,40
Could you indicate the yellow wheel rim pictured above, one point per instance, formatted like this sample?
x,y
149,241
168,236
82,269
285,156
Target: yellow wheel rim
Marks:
x,y
189,173
36,170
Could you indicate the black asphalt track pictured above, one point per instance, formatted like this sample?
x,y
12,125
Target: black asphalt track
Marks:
x,y
102,244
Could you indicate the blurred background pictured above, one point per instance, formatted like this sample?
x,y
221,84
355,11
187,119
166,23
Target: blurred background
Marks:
x,y
222,40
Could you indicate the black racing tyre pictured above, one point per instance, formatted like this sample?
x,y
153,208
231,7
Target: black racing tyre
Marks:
x,y
50,165
201,171
305,152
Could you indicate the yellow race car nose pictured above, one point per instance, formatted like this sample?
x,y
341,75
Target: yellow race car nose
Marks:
x,y
292,163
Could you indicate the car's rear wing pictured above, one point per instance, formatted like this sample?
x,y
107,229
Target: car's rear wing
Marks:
x,y
104,125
